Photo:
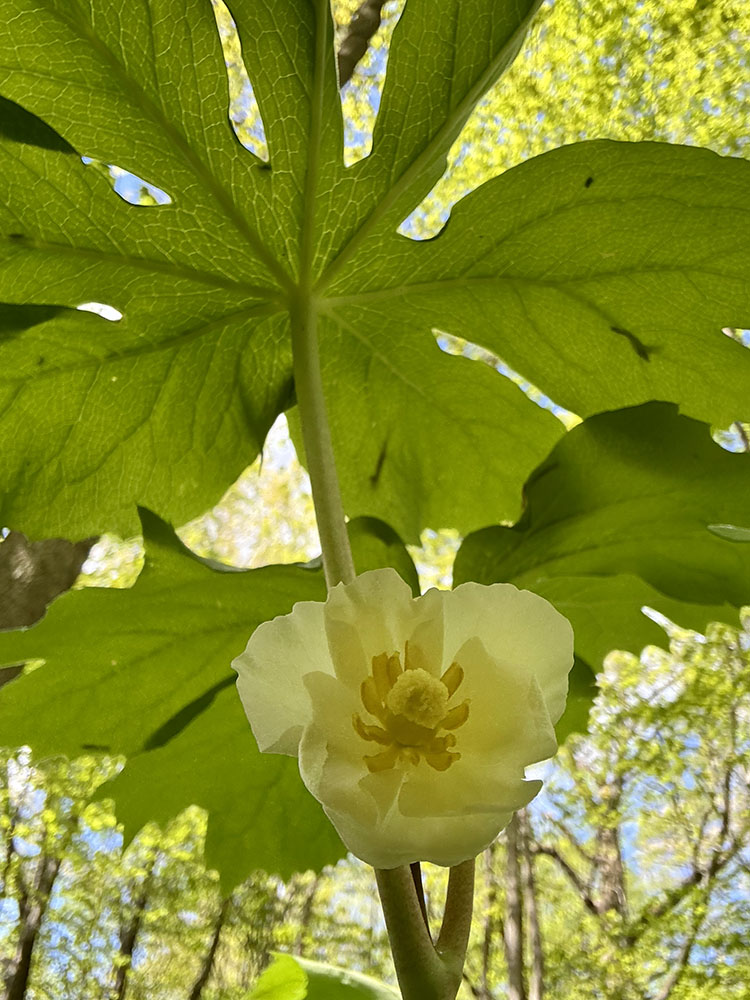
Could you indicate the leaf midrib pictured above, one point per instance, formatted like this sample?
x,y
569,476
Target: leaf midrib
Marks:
x,y
268,293
451,125
140,350
195,164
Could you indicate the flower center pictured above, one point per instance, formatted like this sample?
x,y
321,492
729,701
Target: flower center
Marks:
x,y
412,707
419,697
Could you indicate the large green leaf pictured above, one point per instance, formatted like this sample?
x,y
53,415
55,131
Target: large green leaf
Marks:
x,y
284,979
146,673
260,813
621,516
327,982
595,270
293,978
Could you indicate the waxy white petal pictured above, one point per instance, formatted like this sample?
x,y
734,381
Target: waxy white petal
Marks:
x,y
326,682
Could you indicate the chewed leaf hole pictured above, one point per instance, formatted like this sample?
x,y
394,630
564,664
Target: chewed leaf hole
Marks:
x,y
266,517
737,334
361,94
101,309
131,188
736,437
466,349
244,114
731,532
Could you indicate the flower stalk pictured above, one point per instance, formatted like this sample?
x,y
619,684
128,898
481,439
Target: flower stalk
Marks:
x,y
425,971
413,719
316,434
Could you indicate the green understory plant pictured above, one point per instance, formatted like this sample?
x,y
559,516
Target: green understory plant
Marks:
x,y
603,272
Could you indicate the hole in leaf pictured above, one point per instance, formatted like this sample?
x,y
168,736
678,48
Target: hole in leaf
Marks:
x,y
737,334
360,96
466,349
101,309
112,562
266,517
731,532
131,188
736,437
244,113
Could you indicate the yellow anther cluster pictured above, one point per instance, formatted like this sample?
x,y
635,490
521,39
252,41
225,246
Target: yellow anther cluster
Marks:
x,y
412,707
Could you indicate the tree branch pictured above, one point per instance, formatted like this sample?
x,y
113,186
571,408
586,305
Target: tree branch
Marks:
x,y
362,27
572,875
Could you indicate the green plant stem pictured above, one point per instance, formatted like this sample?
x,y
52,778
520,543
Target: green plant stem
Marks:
x,y
329,512
426,971
459,902
420,972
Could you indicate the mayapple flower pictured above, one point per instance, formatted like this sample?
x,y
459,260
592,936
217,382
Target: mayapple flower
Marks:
x,y
413,719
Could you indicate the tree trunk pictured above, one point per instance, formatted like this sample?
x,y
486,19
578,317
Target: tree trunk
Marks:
x,y
611,871
32,909
362,27
129,934
492,924
10,809
306,915
208,963
536,978
513,928
32,574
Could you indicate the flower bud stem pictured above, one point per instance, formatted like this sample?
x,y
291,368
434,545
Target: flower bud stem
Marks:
x,y
426,971
329,512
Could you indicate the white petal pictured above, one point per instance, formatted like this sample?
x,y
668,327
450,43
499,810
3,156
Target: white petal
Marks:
x,y
270,673
331,756
426,632
520,629
400,840
372,615
333,778
467,788
508,717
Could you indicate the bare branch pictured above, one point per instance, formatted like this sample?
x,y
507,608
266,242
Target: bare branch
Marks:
x,y
575,879
679,964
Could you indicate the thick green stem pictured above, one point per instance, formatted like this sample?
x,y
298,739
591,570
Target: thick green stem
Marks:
x,y
459,903
329,512
421,974
424,971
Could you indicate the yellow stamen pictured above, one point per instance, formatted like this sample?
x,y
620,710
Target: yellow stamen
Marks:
x,y
369,695
441,761
380,673
371,732
456,717
394,669
411,705
382,761
452,678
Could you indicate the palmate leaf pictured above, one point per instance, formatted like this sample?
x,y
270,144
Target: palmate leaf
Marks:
x,y
146,673
621,515
603,272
